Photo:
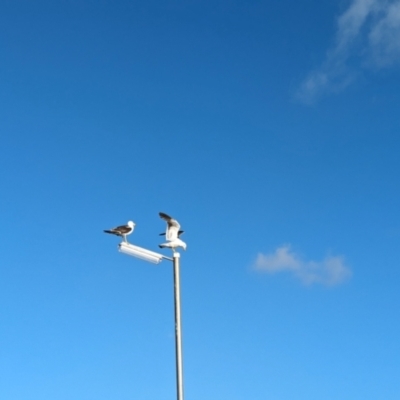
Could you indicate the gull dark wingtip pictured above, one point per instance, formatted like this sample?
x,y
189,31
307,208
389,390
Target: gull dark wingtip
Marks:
x,y
164,216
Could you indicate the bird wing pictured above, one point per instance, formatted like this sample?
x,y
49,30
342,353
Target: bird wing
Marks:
x,y
123,229
172,226
120,230
165,217
172,232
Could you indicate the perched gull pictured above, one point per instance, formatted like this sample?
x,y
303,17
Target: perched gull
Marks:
x,y
122,230
172,233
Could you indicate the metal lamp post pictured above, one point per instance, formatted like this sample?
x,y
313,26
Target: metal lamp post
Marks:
x,y
178,328
156,258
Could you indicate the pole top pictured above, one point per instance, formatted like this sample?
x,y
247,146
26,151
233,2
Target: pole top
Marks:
x,y
176,254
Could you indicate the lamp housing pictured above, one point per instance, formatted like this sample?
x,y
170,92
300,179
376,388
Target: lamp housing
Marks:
x,y
140,252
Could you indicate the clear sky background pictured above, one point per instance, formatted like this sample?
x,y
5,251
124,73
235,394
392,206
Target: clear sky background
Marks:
x,y
269,129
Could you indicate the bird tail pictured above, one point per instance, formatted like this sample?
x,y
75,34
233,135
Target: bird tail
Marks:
x,y
112,232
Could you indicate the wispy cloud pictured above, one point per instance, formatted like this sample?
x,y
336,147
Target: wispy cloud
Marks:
x,y
329,272
368,32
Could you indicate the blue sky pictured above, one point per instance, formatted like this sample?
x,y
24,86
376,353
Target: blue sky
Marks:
x,y
269,129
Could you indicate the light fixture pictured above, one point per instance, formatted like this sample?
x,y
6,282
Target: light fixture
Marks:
x,y
140,252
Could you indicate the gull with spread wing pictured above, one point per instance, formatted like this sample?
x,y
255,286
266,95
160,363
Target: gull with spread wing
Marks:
x,y
172,233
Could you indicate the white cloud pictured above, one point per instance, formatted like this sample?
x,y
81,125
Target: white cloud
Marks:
x,y
330,272
369,32
384,37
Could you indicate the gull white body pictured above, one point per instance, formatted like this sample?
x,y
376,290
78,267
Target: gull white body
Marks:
x,y
173,244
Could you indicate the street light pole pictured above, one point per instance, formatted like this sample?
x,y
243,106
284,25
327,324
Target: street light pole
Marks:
x,y
178,328
156,258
